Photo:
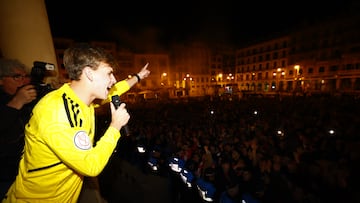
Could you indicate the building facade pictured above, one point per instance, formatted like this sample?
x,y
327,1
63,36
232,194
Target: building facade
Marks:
x,y
321,58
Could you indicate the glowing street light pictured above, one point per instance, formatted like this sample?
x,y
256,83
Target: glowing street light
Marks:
x,y
297,68
163,81
298,84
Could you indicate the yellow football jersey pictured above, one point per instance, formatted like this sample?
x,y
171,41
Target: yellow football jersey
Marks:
x,y
59,149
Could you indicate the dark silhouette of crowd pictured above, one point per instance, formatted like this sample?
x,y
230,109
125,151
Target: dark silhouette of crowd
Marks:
x,y
290,149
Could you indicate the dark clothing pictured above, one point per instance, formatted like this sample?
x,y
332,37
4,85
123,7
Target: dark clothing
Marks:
x,y
224,181
12,125
278,189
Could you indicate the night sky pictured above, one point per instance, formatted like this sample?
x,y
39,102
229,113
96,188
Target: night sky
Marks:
x,y
150,25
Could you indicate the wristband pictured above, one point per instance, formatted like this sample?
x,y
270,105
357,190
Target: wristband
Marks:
x,y
137,76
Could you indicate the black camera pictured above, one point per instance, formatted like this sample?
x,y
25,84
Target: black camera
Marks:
x,y
39,71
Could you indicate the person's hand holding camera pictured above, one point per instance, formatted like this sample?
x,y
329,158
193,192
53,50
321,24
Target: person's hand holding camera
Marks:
x,y
23,95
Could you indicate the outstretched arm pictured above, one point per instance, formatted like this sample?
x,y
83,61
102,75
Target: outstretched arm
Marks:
x,y
144,72
124,85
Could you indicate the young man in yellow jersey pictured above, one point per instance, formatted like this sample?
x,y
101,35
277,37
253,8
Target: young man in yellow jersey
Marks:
x,y
59,150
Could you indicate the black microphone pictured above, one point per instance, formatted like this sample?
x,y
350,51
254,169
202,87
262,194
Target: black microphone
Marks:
x,y
116,101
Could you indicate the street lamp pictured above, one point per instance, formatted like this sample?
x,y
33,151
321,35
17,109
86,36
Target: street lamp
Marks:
x,y
297,78
297,68
277,76
219,77
274,86
279,82
188,81
230,77
164,81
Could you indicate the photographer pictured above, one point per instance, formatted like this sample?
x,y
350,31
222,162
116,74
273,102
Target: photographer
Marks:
x,y
38,73
15,96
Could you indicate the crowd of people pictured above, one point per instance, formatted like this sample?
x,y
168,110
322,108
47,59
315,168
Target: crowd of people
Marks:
x,y
282,149
291,149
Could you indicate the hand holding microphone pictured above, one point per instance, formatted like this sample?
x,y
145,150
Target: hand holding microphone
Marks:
x,y
119,115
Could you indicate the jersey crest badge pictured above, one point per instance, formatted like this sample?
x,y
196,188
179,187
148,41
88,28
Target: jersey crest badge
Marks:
x,y
82,140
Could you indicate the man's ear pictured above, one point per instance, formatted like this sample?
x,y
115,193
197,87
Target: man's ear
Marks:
x,y
1,82
88,73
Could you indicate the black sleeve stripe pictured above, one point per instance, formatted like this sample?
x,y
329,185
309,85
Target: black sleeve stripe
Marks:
x,y
67,109
42,168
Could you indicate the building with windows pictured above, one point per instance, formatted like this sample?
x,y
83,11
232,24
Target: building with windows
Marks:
x,y
263,67
327,56
320,58
323,58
